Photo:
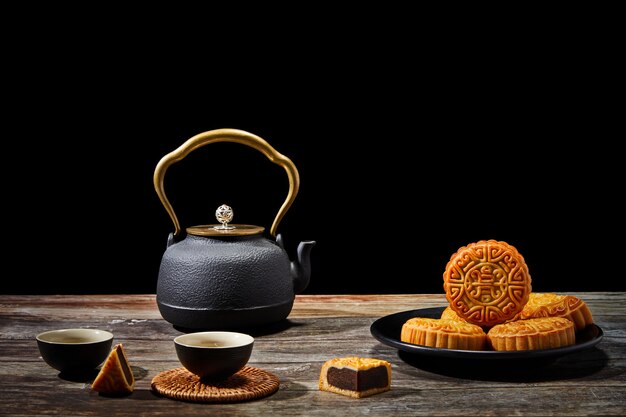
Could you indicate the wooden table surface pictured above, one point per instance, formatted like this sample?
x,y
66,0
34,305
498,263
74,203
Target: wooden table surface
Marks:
x,y
320,327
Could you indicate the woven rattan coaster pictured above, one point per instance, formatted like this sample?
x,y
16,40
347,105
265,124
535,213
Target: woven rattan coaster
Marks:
x,y
248,384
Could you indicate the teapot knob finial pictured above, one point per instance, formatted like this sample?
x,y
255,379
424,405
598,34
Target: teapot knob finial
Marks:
x,y
224,215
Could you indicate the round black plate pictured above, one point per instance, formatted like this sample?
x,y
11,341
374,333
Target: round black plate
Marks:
x,y
387,330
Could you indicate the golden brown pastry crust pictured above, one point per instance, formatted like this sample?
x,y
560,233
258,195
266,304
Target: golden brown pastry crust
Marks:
x,y
356,364
532,334
487,282
449,314
115,376
556,305
443,333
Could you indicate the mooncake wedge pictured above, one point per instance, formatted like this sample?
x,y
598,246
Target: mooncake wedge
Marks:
x,y
115,376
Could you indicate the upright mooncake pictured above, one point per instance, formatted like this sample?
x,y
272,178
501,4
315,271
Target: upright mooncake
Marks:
x,y
487,282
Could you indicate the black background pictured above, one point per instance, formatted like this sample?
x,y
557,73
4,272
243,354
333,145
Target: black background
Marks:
x,y
404,157
387,205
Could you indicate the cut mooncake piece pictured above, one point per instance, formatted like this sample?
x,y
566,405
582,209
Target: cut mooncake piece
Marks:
x,y
115,376
487,282
355,377
556,305
443,333
532,334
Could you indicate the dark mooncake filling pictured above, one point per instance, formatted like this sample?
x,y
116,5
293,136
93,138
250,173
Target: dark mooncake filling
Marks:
x,y
349,379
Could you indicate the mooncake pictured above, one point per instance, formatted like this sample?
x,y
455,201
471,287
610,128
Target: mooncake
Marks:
x,y
449,314
115,376
487,282
355,377
443,333
556,305
532,334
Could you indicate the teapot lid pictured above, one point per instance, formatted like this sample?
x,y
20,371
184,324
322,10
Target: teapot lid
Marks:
x,y
224,215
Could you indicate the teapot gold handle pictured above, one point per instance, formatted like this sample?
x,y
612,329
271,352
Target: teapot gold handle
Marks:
x,y
226,135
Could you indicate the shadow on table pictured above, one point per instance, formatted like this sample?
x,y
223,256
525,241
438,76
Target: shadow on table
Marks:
x,y
83,376
254,331
89,375
570,366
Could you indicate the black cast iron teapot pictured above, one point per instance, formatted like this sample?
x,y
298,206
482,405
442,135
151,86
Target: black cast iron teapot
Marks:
x,y
225,275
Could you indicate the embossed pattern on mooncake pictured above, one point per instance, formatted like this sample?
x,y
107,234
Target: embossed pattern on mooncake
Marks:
x,y
487,282
442,333
557,305
532,334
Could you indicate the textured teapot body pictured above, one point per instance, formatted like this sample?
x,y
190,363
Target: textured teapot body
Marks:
x,y
226,282
228,276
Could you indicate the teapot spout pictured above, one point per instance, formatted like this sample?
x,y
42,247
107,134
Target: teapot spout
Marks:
x,y
301,268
